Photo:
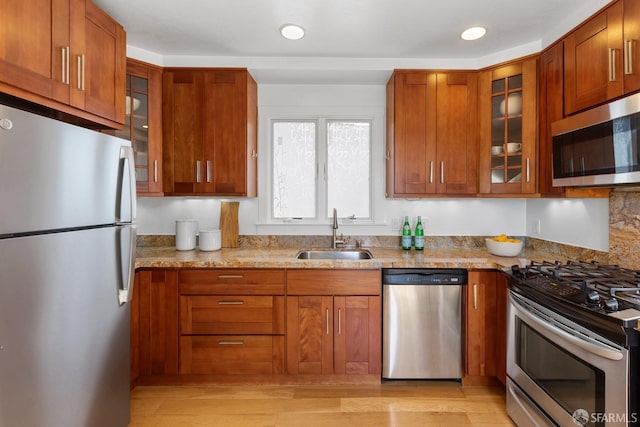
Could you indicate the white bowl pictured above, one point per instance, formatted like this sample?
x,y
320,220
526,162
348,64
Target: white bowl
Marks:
x,y
503,248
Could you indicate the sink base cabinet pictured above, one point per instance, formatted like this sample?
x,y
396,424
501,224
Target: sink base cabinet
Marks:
x,y
335,333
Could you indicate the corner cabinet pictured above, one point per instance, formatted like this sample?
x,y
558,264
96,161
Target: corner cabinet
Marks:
x,y
508,129
601,57
73,60
334,322
143,124
431,133
209,132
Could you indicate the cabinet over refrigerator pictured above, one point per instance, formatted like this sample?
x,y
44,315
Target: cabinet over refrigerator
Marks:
x,y
67,250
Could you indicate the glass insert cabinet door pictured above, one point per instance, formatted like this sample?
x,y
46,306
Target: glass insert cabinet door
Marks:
x,y
136,128
506,130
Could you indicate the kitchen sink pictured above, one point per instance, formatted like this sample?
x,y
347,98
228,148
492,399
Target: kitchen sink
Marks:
x,y
349,254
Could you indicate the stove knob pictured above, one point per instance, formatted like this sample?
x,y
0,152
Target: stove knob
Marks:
x,y
611,305
593,299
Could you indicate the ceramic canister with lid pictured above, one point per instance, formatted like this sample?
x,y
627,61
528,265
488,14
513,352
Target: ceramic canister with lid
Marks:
x,y
186,230
210,240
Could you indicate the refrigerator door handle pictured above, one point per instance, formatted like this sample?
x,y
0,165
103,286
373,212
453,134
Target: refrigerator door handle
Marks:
x,y
127,246
126,155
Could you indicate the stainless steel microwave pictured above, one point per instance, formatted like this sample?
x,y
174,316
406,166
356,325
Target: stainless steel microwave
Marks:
x,y
598,146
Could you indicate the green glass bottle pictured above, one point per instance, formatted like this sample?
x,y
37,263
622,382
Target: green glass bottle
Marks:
x,y
406,234
418,243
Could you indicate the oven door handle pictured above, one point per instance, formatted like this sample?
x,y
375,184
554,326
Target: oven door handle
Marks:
x,y
599,349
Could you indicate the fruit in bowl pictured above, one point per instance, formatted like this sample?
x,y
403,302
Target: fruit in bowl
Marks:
x,y
503,246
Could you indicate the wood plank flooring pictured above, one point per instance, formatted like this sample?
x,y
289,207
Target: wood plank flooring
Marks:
x,y
390,404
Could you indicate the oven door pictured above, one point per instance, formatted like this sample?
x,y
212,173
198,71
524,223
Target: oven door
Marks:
x,y
570,373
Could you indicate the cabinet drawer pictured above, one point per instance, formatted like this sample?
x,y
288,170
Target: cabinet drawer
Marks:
x,y
232,354
333,282
200,315
232,282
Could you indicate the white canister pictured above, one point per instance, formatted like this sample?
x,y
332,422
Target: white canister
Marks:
x,y
210,240
186,230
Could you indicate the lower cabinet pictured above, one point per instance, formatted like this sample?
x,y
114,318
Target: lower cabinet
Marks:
x,y
154,324
485,327
231,321
334,322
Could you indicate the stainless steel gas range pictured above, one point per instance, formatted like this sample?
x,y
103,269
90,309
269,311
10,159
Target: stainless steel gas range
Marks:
x,y
573,345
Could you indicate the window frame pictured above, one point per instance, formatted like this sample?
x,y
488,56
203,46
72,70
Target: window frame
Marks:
x,y
374,115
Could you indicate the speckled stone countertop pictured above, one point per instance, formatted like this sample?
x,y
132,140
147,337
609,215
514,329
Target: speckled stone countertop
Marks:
x,y
252,253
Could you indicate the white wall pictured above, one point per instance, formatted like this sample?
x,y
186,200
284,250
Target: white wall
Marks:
x,y
575,222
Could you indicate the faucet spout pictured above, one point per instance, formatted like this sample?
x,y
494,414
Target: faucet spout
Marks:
x,y
334,241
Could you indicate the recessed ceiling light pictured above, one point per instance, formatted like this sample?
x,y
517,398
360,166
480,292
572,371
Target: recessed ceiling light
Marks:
x,y
473,33
292,31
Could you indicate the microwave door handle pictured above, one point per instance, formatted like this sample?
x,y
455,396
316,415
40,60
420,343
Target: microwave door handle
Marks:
x,y
571,166
601,350
582,164
126,156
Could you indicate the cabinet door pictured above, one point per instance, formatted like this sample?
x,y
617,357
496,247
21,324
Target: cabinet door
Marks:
x,y
414,151
502,292
225,132
103,66
309,335
143,121
182,132
157,311
593,60
480,329
508,129
34,36
456,130
551,109
631,65
357,333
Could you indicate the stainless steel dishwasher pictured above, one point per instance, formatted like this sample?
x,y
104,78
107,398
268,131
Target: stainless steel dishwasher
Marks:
x,y
422,323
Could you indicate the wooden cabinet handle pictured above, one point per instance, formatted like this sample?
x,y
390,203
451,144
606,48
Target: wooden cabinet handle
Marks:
x,y
475,296
628,56
230,302
431,172
327,321
231,342
612,64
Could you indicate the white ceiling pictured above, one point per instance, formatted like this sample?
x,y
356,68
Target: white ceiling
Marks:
x,y
346,41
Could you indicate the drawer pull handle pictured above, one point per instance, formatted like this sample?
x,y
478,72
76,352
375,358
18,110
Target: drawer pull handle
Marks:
x,y
231,302
230,276
229,342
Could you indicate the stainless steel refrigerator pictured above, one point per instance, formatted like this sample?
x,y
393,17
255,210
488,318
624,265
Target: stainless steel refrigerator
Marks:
x,y
67,249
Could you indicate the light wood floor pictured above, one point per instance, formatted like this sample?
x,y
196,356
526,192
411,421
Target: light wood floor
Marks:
x,y
391,404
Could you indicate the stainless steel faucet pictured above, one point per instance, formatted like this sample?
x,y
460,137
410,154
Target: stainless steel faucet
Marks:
x,y
334,242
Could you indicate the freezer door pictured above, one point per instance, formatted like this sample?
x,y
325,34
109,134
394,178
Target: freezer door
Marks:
x,y
56,175
64,334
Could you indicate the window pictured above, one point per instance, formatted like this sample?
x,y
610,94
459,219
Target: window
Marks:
x,y
318,165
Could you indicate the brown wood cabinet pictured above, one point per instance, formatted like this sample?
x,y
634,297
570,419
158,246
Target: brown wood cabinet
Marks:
x,y
601,59
334,322
209,132
67,55
485,302
143,124
551,109
508,128
154,325
431,133
231,321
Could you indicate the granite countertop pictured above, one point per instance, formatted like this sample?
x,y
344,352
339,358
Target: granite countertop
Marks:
x,y
266,257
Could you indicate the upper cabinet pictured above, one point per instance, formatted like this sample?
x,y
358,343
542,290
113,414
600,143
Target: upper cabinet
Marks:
x,y
143,124
210,132
601,57
431,133
67,55
508,124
